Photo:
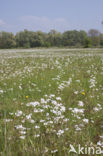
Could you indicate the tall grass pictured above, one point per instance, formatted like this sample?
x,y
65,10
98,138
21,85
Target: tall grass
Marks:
x,y
50,99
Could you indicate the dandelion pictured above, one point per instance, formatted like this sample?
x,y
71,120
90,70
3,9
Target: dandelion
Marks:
x,y
26,97
83,93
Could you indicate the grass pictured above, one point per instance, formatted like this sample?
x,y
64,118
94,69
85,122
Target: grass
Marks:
x,y
49,99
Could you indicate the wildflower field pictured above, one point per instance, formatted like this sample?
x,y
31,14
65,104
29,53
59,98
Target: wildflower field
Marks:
x,y
49,99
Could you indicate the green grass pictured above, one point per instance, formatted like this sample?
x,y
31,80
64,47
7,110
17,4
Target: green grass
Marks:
x,y
75,76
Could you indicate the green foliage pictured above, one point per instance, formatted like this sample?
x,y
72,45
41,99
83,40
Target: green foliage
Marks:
x,y
7,40
54,38
101,40
74,38
94,36
87,43
47,44
31,39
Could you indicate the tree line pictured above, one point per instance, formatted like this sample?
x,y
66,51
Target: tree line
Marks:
x,y
71,38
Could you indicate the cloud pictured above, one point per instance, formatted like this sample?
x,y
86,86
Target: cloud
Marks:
x,y
6,26
35,23
43,23
2,22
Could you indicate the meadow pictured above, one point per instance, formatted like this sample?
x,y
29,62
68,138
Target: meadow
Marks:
x,y
49,99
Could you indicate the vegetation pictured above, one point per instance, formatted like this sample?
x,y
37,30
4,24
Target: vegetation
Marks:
x,y
30,39
49,99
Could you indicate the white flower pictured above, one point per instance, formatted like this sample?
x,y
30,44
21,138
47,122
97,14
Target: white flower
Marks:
x,y
80,103
46,123
78,81
85,120
60,132
19,113
22,137
8,120
23,121
46,95
76,92
52,95
65,120
101,136
96,109
36,103
22,132
62,109
29,116
99,105
37,135
32,121
100,143
47,114
20,87
54,102
20,127
70,108
11,113
1,91
77,128
48,100
37,127
66,129
43,101
38,110
76,110
54,151
42,120
51,122
58,98
92,82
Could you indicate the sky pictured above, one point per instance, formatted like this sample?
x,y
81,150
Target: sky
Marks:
x,y
44,15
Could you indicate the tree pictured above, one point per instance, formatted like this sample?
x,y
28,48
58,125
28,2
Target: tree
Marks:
x,y
87,43
101,40
94,36
37,39
74,38
30,39
54,38
7,40
22,39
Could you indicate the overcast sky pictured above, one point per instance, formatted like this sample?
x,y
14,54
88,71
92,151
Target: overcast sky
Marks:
x,y
44,15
